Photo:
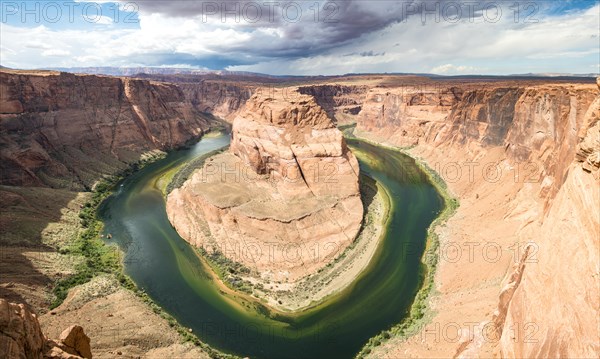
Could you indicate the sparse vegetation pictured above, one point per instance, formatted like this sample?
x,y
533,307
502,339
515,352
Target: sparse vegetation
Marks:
x,y
229,271
183,173
103,258
419,314
98,256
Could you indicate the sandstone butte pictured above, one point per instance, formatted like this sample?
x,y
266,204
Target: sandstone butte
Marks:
x,y
284,200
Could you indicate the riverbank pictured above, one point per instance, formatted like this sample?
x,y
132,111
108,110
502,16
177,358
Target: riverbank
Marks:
x,y
92,289
98,257
420,311
312,289
165,266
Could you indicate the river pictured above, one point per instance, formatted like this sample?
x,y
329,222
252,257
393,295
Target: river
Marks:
x,y
161,263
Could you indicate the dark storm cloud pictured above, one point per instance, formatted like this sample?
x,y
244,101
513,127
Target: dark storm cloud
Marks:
x,y
309,27
288,29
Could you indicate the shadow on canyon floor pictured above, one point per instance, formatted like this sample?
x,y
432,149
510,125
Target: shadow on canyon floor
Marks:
x,y
35,223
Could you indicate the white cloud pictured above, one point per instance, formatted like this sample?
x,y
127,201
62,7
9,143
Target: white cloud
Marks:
x,y
449,69
100,19
504,47
56,52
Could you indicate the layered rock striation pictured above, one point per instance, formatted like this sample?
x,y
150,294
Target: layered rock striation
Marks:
x,y
522,157
65,131
284,201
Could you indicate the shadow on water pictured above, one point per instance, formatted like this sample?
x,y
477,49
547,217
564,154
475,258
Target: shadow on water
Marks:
x,y
168,269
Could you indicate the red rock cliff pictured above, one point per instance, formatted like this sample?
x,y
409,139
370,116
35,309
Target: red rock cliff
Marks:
x,y
65,130
545,137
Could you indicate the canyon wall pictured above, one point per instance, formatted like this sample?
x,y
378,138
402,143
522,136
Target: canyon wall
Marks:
x,y
539,124
66,131
220,98
523,159
558,295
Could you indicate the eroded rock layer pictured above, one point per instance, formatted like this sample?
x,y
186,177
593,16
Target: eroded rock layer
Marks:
x,y
284,201
518,274
65,131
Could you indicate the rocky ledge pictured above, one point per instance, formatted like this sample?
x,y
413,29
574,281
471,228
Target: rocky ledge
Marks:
x,y
22,337
284,200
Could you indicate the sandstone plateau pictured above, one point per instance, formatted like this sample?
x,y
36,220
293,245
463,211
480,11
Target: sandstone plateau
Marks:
x,y
288,188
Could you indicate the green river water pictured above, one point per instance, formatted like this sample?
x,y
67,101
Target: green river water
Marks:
x,y
168,269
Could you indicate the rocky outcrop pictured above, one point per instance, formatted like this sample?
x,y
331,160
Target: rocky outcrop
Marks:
x,y
65,131
284,201
296,143
20,332
73,343
588,150
22,337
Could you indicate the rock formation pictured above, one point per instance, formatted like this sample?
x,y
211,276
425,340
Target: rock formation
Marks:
x,y
22,337
296,143
543,139
292,203
588,150
65,131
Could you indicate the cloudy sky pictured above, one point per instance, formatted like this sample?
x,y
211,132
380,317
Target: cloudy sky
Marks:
x,y
306,37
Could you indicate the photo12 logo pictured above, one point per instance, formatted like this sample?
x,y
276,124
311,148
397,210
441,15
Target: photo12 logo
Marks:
x,y
51,12
252,12
471,11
